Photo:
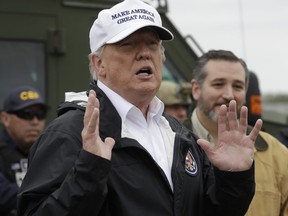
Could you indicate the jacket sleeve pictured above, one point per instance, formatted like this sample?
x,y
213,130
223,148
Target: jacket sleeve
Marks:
x,y
8,194
73,179
233,192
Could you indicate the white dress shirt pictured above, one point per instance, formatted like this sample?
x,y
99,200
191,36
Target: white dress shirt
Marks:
x,y
154,134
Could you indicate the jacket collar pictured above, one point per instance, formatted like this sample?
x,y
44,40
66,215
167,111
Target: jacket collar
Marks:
x,y
110,124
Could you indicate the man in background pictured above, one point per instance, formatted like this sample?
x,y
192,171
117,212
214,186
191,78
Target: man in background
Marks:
x,y
176,98
219,77
23,117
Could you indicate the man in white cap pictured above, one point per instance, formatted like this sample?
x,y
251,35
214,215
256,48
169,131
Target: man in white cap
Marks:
x,y
115,153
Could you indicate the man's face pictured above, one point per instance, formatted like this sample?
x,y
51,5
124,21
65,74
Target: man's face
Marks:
x,y
23,131
133,66
225,81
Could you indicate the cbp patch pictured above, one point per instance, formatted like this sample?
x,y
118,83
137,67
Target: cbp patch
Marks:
x,y
190,164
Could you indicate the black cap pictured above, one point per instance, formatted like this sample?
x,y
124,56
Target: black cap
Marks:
x,y
21,98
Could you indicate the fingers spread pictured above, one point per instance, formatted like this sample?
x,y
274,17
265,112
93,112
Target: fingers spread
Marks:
x,y
256,129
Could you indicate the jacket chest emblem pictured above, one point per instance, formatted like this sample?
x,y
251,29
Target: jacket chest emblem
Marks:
x,y
190,164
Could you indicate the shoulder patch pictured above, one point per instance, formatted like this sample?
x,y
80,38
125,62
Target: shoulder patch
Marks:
x,y
190,164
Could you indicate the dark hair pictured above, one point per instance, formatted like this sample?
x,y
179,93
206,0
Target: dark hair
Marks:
x,y
199,72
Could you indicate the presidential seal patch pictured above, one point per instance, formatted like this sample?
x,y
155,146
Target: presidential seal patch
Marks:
x,y
190,164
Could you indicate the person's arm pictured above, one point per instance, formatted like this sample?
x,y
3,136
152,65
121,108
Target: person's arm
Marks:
x,y
231,193
232,158
8,195
63,178
80,191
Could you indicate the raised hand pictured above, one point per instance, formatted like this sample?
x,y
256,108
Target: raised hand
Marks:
x,y
234,150
90,133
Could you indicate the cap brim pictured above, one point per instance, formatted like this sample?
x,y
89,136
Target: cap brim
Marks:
x,y
23,106
164,34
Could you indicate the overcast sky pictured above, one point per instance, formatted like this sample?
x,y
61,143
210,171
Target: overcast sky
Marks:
x,y
255,30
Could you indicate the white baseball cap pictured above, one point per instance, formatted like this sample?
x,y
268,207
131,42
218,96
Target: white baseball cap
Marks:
x,y
118,22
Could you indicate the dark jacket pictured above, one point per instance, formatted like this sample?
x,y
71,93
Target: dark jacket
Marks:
x,y
63,179
10,157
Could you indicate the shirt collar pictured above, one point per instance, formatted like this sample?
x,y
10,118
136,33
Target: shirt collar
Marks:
x,y
199,129
123,107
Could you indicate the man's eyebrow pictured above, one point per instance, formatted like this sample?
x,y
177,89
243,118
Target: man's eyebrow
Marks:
x,y
218,79
239,82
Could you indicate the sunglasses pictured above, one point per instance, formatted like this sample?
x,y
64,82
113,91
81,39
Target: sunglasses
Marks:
x,y
29,114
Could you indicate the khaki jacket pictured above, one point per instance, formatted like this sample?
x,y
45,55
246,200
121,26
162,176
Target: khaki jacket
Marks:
x,y
271,176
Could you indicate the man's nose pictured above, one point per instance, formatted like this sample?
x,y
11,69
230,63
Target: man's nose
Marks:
x,y
143,52
228,93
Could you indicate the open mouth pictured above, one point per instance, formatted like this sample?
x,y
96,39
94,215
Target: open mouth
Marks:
x,y
144,72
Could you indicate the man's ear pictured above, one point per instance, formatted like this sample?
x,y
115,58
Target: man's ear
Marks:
x,y
4,118
196,90
97,65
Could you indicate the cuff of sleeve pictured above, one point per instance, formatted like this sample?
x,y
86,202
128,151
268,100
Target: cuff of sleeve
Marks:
x,y
240,177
